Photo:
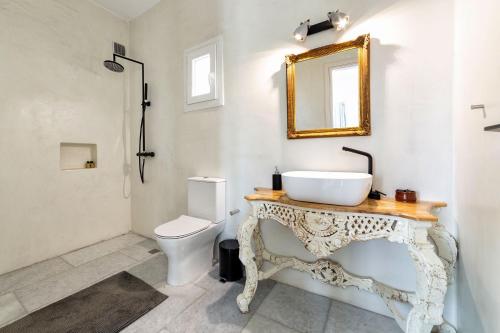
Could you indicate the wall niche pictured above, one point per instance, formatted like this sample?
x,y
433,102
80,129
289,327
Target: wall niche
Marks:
x,y
75,156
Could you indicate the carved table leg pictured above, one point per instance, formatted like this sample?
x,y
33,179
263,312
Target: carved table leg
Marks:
x,y
447,248
259,246
430,291
247,258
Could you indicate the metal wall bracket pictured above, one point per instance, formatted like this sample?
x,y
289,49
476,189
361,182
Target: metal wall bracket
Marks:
x,y
492,128
477,106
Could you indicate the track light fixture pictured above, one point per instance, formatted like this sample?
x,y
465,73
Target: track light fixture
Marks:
x,y
300,33
336,20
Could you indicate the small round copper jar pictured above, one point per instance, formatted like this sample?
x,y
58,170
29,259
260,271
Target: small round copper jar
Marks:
x,y
406,196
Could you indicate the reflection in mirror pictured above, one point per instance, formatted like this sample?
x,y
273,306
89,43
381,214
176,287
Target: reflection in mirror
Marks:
x,y
328,90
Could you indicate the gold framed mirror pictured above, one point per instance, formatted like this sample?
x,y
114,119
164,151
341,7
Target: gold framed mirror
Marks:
x,y
328,90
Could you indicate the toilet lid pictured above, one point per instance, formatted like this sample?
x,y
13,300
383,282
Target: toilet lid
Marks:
x,y
182,227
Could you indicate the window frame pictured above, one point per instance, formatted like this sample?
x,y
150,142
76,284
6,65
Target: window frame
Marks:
x,y
328,68
215,97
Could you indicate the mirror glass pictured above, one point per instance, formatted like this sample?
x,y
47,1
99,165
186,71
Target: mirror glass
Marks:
x,y
327,91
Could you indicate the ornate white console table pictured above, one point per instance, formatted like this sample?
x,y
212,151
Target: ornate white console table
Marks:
x,y
325,228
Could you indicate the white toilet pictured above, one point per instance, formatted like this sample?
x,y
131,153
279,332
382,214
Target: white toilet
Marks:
x,y
188,241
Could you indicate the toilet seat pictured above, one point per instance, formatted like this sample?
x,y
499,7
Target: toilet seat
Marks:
x,y
181,227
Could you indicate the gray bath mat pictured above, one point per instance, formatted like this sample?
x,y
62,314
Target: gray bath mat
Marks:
x,y
106,307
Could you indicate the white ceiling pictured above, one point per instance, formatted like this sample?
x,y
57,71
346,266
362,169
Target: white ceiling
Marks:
x,y
126,9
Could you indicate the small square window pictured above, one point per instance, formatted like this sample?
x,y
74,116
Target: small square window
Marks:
x,y
203,76
200,80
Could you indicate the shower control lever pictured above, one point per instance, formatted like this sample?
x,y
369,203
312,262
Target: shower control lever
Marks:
x,y
146,154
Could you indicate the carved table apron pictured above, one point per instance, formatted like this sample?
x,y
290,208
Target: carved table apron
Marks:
x,y
323,232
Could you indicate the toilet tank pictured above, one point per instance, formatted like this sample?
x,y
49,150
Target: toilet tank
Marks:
x,y
207,198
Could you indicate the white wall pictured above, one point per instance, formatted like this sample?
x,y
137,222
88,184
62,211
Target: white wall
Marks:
x,y
477,163
153,40
242,141
54,89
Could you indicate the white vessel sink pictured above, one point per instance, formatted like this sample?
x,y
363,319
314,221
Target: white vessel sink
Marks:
x,y
334,188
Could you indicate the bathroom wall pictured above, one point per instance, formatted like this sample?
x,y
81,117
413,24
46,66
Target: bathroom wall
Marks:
x,y
54,89
412,44
477,163
154,38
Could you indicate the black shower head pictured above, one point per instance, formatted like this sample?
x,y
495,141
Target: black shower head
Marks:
x,y
113,66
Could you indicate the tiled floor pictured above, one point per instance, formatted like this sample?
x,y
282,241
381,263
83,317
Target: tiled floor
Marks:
x,y
204,306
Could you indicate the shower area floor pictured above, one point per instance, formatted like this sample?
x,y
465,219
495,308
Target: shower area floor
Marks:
x,y
203,306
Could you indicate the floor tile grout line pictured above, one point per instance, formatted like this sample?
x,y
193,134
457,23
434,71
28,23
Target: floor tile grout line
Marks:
x,y
271,319
327,316
13,290
206,293
138,261
202,287
13,320
359,308
19,301
185,309
26,312
70,293
100,242
199,279
275,321
72,268
285,325
280,323
85,286
126,268
66,261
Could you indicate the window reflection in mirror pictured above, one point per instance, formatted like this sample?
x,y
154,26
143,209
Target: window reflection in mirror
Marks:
x,y
343,109
327,91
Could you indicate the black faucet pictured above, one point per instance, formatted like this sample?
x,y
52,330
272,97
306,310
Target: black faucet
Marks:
x,y
374,194
370,158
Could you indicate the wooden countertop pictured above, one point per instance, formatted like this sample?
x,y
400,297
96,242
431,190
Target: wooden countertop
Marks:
x,y
420,211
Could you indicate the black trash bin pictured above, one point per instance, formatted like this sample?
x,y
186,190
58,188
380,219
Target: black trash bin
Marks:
x,y
230,267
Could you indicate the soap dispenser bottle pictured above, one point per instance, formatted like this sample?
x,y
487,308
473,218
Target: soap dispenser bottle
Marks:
x,y
277,185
